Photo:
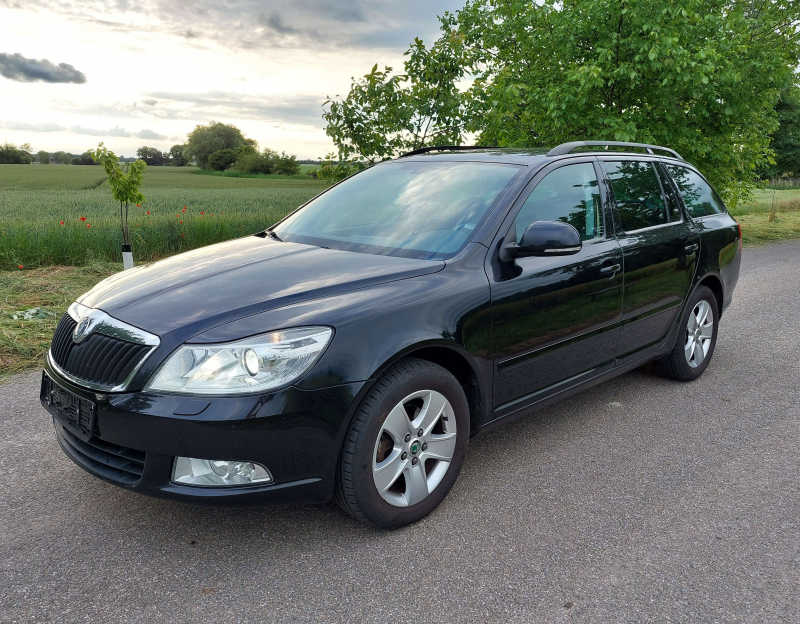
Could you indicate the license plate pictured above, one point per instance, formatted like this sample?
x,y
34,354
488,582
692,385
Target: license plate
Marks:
x,y
74,412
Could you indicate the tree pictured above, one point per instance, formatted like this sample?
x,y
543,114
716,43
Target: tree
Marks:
x,y
250,161
124,189
62,158
43,157
287,165
176,156
152,156
205,140
385,114
700,76
221,160
12,155
786,139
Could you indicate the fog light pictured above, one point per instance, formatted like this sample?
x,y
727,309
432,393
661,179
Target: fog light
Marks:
x,y
218,473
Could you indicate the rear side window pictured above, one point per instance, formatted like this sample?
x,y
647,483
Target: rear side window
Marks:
x,y
569,194
637,192
699,197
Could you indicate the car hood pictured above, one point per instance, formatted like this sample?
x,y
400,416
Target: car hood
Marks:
x,y
200,289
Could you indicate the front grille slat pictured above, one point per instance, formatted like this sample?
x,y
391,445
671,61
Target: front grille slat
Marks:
x,y
100,360
115,463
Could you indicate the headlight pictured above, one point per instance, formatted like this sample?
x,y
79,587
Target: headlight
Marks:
x,y
250,366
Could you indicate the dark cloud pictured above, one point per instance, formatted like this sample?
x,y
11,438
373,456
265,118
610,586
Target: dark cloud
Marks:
x,y
275,22
149,134
17,67
150,102
318,25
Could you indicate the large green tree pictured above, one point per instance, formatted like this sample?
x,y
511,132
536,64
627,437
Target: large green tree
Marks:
x,y
786,139
700,76
205,140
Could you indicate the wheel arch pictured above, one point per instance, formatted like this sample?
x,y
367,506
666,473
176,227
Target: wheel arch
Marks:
x,y
713,282
457,363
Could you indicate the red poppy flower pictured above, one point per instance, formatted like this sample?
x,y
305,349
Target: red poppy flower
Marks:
x,y
87,225
181,237
148,212
62,223
201,212
212,214
137,225
20,266
184,207
180,221
83,218
138,205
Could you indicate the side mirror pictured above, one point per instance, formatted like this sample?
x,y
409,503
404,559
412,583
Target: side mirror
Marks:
x,y
545,238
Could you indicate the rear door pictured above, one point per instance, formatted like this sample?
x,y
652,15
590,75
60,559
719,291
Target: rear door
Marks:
x,y
659,247
554,319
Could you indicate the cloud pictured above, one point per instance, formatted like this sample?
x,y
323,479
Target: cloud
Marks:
x,y
149,134
299,109
150,102
17,67
116,131
28,127
275,22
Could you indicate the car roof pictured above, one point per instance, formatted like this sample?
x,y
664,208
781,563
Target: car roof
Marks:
x,y
505,155
524,156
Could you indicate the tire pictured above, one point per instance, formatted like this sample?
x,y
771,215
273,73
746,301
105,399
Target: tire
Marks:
x,y
678,364
383,441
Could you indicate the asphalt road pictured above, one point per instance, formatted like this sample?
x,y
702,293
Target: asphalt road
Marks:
x,y
639,500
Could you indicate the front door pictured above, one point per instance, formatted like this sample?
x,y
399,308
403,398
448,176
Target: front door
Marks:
x,y
660,249
555,319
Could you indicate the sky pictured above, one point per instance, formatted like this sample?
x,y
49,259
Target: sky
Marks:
x,y
146,72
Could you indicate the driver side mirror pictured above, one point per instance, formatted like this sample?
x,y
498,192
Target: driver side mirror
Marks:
x,y
544,238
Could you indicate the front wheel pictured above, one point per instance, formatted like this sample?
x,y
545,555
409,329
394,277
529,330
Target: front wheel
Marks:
x,y
405,446
696,339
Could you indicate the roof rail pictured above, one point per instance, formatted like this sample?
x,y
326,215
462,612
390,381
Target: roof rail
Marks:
x,y
445,148
566,148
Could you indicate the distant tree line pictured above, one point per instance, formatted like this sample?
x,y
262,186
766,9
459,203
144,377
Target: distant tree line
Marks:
x,y
216,146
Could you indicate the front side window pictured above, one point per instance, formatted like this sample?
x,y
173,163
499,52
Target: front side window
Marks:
x,y
699,197
568,194
426,210
637,192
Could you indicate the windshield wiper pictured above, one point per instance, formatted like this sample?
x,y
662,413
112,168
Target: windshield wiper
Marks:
x,y
273,235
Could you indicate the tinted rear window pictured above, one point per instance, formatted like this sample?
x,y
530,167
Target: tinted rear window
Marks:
x,y
699,197
637,193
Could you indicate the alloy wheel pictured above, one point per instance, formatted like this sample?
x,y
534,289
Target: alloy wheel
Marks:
x,y
699,334
414,448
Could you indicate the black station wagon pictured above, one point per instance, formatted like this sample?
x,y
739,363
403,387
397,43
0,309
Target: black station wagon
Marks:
x,y
351,350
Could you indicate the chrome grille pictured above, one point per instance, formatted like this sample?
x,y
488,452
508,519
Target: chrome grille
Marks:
x,y
106,356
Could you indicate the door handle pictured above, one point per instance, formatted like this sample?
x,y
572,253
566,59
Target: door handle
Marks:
x,y
691,248
611,270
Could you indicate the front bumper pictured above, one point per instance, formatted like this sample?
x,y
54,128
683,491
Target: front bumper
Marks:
x,y
295,433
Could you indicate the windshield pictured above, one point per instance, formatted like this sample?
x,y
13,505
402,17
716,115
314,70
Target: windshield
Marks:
x,y
411,209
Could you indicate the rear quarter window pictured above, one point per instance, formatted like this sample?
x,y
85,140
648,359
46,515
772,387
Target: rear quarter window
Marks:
x,y
699,198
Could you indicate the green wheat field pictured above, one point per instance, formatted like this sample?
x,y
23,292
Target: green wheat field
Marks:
x,y
183,211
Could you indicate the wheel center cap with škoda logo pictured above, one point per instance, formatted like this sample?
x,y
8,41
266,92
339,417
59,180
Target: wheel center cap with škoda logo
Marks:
x,y
414,448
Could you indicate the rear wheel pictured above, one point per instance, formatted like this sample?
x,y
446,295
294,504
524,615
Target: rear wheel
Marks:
x,y
697,338
405,446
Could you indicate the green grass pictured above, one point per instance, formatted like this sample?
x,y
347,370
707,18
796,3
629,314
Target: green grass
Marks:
x,y
217,209
23,344
754,217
